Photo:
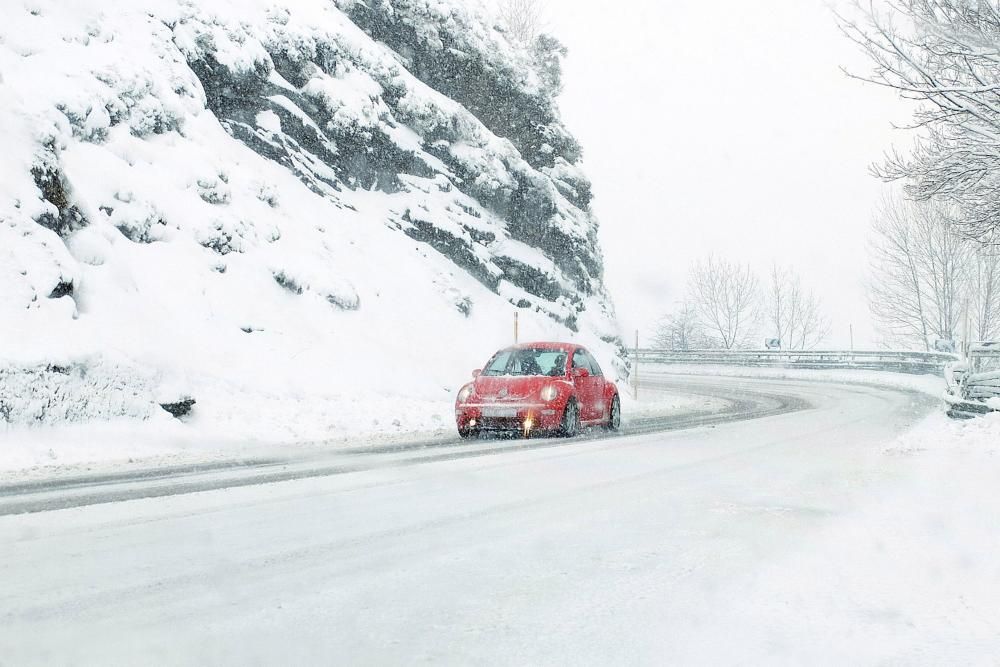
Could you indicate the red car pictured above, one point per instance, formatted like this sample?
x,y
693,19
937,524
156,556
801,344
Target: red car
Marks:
x,y
538,388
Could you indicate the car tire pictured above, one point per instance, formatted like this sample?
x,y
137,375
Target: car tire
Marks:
x,y
570,425
614,415
468,433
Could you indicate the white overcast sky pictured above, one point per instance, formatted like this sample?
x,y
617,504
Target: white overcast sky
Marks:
x,y
726,127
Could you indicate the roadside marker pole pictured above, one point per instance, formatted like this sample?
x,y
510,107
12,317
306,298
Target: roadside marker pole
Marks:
x,y
515,327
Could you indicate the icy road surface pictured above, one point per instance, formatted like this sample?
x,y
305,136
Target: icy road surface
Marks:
x,y
618,550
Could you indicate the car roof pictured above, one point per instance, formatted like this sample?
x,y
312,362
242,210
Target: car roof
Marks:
x,y
545,345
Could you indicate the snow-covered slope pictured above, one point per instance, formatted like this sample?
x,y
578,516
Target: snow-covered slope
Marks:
x,y
307,215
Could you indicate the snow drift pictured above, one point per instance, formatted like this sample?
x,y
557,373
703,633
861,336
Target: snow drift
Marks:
x,y
280,208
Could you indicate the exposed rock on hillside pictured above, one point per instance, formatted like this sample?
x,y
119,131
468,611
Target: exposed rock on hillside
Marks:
x,y
349,181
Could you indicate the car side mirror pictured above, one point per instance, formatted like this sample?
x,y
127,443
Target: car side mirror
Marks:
x,y
476,373
580,372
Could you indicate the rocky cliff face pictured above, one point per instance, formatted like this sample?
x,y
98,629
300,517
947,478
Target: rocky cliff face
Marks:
x,y
208,189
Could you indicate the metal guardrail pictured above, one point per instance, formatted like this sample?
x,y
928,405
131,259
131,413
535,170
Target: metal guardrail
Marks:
x,y
916,363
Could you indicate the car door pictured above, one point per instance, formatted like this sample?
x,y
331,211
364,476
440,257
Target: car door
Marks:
x,y
587,388
600,388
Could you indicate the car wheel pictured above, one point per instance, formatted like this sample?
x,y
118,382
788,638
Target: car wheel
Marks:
x,y
571,420
614,415
468,433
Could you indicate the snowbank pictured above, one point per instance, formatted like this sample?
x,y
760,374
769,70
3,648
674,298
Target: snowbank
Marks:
x,y
659,403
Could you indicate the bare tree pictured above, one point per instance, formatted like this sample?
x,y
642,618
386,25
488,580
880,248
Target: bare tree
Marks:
x,y
681,330
522,20
920,270
793,313
984,301
726,297
895,294
944,53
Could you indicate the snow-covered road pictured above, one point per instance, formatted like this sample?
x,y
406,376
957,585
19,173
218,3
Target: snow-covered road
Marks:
x,y
619,550
44,489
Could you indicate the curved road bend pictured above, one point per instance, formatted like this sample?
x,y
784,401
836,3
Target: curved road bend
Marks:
x,y
606,550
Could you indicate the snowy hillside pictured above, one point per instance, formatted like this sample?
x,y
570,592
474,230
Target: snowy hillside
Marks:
x,y
312,217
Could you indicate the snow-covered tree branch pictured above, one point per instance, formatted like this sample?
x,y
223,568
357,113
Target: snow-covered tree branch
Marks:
x,y
522,20
944,54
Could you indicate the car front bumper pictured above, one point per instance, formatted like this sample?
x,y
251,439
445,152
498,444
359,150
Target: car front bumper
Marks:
x,y
526,417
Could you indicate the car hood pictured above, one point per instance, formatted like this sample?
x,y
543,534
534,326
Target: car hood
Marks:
x,y
510,388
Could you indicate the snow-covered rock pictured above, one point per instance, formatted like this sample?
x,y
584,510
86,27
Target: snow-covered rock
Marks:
x,y
304,200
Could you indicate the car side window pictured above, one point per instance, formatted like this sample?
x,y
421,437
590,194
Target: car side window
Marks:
x,y
580,359
595,368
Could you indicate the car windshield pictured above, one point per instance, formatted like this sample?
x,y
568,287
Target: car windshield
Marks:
x,y
527,361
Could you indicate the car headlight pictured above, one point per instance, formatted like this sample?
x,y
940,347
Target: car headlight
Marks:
x,y
465,393
549,392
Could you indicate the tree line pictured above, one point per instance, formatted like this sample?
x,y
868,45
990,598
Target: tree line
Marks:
x,y
929,282
727,306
